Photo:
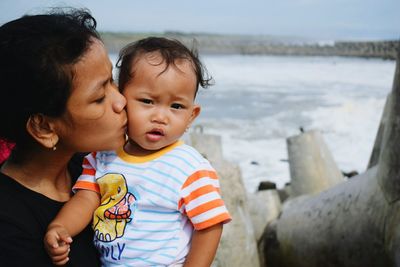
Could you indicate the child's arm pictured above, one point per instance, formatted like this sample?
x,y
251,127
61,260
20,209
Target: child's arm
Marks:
x,y
75,215
204,246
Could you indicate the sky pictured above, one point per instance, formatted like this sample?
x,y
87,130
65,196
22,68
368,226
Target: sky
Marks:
x,y
316,19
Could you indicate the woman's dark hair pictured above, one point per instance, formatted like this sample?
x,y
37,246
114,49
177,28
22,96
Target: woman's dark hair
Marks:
x,y
170,50
37,54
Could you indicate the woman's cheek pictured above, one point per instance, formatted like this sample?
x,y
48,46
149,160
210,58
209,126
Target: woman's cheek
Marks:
x,y
93,112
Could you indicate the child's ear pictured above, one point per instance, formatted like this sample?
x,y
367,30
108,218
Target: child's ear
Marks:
x,y
41,128
195,112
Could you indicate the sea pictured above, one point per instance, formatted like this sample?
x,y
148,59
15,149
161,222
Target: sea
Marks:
x,y
258,101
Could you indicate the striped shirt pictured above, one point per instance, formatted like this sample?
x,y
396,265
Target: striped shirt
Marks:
x,y
150,205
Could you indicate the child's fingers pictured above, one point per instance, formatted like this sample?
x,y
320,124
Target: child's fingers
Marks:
x,y
64,236
61,259
61,262
56,238
61,250
51,240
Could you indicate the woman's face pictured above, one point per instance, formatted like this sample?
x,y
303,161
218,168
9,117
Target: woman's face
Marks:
x,y
95,118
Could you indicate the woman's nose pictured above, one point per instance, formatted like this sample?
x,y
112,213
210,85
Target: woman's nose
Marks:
x,y
119,101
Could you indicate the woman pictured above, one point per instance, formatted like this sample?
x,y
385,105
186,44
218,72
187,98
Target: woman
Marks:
x,y
57,98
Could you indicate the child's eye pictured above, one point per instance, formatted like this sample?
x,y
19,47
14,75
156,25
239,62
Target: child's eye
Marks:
x,y
177,106
146,101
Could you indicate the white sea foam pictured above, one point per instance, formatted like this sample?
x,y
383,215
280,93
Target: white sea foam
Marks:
x,y
259,101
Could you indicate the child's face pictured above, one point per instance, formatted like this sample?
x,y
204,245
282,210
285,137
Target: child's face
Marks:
x,y
160,104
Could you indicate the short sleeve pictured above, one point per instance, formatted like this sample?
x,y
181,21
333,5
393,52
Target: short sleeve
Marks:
x,y
87,180
201,199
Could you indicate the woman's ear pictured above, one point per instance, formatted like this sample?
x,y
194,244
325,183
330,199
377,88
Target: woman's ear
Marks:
x,y
42,130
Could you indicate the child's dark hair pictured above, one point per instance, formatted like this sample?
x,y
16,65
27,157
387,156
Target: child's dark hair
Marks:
x,y
37,54
170,50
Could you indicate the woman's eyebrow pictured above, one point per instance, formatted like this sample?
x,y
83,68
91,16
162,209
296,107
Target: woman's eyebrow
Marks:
x,y
99,84
104,81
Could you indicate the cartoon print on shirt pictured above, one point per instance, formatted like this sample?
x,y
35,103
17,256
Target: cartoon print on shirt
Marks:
x,y
114,212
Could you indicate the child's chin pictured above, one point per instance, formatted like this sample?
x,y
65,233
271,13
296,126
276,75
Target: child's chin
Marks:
x,y
154,148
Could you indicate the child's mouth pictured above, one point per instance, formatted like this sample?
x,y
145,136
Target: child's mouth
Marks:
x,y
155,135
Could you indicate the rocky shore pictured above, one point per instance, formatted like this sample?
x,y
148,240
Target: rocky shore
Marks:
x,y
264,45
320,218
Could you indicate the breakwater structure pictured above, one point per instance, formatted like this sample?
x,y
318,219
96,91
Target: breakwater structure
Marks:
x,y
250,212
238,246
352,223
325,220
263,45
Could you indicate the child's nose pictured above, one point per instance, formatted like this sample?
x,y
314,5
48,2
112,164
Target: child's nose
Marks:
x,y
159,116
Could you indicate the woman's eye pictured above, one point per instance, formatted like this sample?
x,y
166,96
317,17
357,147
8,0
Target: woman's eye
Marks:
x,y
177,106
146,101
100,99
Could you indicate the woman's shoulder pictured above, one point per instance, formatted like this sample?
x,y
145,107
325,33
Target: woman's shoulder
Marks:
x,y
19,193
26,209
22,230
10,189
24,218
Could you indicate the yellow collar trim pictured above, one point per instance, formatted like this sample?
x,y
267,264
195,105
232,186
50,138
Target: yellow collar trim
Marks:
x,y
141,159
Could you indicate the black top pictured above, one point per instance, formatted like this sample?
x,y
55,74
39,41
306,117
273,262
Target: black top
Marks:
x,y
24,217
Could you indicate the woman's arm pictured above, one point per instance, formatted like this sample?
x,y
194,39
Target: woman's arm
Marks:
x,y
204,246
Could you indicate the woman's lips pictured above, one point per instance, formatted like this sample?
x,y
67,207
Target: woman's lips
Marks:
x,y
125,125
124,128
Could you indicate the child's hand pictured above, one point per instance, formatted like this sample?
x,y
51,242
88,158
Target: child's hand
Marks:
x,y
57,244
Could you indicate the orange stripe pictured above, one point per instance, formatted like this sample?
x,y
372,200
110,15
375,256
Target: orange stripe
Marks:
x,y
85,159
222,218
87,185
198,175
181,202
91,172
86,162
199,192
205,207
